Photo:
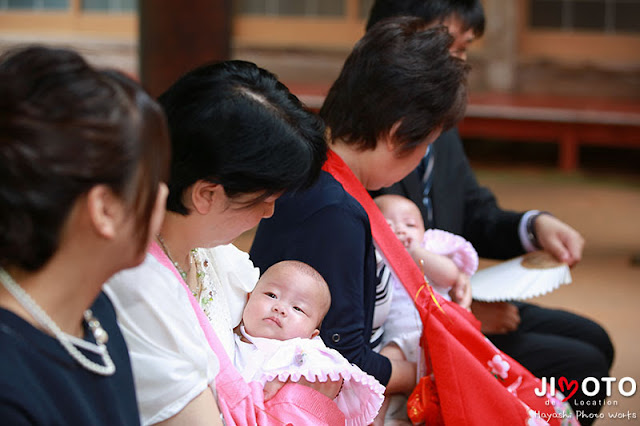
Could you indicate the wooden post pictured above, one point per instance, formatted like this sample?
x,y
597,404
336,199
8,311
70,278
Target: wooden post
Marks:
x,y
176,36
568,150
500,44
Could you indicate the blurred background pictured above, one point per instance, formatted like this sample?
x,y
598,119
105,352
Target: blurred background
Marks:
x,y
562,47
553,121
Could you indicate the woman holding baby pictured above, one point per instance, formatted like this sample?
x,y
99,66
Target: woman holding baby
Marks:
x,y
399,88
239,139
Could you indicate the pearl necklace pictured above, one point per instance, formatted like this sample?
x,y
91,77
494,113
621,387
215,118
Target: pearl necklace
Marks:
x,y
183,274
99,334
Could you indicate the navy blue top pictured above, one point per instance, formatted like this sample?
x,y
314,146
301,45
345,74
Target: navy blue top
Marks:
x,y
328,229
41,384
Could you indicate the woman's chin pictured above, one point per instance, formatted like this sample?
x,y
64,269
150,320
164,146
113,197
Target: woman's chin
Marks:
x,y
375,187
137,261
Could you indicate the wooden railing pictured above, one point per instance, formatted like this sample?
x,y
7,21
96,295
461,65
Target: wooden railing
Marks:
x,y
569,122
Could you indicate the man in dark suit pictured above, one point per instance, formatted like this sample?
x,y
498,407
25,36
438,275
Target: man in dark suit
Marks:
x,y
550,343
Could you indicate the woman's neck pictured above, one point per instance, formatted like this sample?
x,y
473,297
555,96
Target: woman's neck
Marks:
x,y
353,158
64,291
176,239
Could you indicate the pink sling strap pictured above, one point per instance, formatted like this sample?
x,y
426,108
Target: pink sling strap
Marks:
x,y
243,403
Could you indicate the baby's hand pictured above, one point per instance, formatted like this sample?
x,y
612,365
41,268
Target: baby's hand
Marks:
x,y
441,272
271,388
329,389
414,244
461,291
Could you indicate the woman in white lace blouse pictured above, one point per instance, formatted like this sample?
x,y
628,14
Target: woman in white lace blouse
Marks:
x,y
239,140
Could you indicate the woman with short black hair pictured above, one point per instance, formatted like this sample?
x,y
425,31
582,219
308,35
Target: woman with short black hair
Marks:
x,y
398,89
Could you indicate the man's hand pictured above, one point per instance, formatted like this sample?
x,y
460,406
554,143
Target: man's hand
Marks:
x,y
559,239
496,317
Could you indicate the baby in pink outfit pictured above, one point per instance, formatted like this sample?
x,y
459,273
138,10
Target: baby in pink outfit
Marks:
x,y
447,260
278,340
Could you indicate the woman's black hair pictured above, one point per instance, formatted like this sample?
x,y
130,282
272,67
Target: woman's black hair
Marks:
x,y
399,72
235,124
66,127
470,12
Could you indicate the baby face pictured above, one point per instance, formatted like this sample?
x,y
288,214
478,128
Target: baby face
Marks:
x,y
404,218
285,304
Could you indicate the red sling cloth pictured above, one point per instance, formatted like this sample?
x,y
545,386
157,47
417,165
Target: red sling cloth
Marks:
x,y
470,390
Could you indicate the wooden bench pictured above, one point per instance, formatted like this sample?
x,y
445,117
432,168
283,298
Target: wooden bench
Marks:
x,y
569,122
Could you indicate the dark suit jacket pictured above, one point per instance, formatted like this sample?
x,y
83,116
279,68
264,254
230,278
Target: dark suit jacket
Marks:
x,y
460,205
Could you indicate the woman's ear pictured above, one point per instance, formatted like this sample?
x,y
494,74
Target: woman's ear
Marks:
x,y
203,194
106,210
390,140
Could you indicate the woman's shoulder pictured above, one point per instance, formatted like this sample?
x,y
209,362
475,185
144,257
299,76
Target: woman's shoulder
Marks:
x,y
153,304
37,376
103,309
228,259
327,194
145,280
225,277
